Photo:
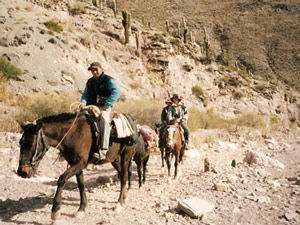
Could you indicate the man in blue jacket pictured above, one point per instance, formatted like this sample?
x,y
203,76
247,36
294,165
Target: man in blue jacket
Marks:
x,y
101,90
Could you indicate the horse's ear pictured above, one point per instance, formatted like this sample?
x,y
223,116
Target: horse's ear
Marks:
x,y
22,124
37,125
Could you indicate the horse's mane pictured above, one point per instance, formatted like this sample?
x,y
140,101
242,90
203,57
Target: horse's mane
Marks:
x,y
57,118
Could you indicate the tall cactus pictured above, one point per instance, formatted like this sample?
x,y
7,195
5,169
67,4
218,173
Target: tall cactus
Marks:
x,y
138,44
185,30
115,8
143,20
206,44
178,29
126,24
167,26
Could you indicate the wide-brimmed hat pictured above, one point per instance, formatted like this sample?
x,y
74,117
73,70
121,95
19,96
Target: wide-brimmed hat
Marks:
x,y
95,65
175,96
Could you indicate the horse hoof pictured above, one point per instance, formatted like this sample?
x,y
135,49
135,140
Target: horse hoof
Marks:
x,y
118,208
55,215
79,214
169,180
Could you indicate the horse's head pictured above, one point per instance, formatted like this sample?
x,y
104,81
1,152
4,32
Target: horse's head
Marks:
x,y
32,149
170,135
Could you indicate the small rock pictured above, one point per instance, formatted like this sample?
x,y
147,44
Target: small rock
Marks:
x,y
2,19
52,41
233,163
289,216
220,187
3,42
264,199
195,207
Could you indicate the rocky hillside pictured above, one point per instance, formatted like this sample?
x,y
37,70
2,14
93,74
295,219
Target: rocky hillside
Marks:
x,y
161,64
261,37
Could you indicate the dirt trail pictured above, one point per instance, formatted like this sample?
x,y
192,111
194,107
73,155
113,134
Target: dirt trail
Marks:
x,y
257,194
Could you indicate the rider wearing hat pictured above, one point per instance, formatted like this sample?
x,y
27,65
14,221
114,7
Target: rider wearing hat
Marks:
x,y
179,111
101,90
165,117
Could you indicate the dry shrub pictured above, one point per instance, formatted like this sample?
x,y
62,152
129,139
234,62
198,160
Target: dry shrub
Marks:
x,y
144,111
250,120
275,122
9,70
5,96
54,26
37,105
197,91
250,158
206,120
9,125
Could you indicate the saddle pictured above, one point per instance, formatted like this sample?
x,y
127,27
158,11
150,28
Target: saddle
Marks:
x,y
129,137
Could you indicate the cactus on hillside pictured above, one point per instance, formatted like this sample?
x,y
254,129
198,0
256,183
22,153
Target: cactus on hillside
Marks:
x,y
115,8
178,29
143,20
185,30
206,44
94,3
167,26
138,45
126,24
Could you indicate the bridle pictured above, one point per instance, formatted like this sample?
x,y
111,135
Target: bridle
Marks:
x,y
38,155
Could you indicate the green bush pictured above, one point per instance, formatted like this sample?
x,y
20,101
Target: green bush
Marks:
x,y
8,70
37,105
53,26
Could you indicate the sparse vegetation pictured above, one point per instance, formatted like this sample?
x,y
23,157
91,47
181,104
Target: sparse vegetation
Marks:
x,y
144,111
77,11
197,91
37,105
250,120
8,70
54,26
274,122
205,120
237,95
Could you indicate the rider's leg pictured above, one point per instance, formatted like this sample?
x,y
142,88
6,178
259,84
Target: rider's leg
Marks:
x,y
186,132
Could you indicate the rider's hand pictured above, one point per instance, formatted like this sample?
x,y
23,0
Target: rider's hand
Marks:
x,y
81,106
104,108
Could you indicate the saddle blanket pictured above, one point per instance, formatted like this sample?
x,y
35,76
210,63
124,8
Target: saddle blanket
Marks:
x,y
123,126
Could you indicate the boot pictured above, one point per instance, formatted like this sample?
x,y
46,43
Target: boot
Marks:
x,y
99,156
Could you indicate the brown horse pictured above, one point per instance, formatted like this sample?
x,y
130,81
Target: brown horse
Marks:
x,y
72,135
172,144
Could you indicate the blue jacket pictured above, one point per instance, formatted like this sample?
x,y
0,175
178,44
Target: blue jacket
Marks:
x,y
101,92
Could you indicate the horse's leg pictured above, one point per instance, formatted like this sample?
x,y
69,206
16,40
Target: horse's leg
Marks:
x,y
144,168
117,166
168,161
83,200
176,162
126,157
71,171
162,156
80,183
129,175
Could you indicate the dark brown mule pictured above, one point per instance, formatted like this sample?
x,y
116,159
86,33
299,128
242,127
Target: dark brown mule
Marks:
x,y
172,144
75,147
